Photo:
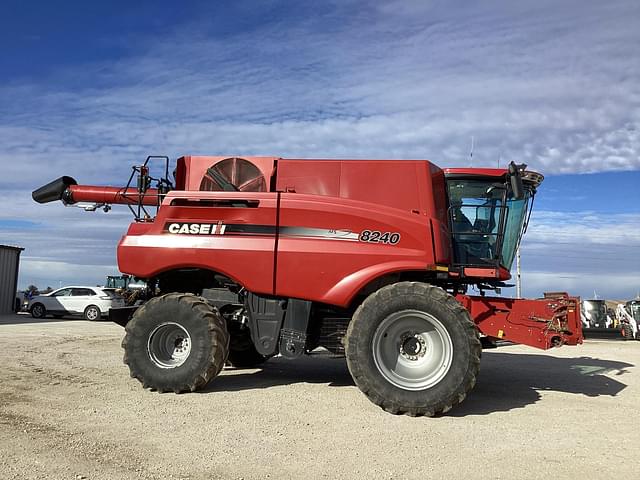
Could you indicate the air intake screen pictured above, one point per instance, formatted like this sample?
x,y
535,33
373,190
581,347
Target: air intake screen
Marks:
x,y
234,172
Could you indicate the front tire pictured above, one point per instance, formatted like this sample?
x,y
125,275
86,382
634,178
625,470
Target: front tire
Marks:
x,y
413,349
38,311
177,342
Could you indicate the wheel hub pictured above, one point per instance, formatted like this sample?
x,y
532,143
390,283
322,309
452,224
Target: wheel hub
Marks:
x,y
169,345
412,350
413,346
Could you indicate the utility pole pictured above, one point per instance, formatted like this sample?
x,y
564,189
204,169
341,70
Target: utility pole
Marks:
x,y
518,284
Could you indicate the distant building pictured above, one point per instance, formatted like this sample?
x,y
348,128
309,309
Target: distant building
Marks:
x,y
9,265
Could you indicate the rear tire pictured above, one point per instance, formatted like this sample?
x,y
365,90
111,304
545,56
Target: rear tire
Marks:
x,y
413,349
627,331
38,310
92,313
248,358
177,342
242,352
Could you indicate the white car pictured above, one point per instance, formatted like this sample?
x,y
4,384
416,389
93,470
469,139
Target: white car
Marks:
x,y
91,302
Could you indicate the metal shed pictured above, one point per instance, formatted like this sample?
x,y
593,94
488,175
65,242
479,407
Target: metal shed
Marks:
x,y
9,264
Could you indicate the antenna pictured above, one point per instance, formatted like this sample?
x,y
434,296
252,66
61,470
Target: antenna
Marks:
x,y
471,153
518,274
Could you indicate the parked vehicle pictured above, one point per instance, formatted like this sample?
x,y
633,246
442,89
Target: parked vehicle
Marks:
x,y
254,257
133,290
124,282
628,319
91,302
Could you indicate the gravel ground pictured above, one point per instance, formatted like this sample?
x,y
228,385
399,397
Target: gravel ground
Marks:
x,y
69,410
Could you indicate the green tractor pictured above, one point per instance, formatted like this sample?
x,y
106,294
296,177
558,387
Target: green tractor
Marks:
x,y
132,289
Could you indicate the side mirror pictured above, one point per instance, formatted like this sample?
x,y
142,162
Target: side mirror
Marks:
x,y
516,180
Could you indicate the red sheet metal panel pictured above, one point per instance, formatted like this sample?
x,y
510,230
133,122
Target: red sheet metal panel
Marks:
x,y
542,323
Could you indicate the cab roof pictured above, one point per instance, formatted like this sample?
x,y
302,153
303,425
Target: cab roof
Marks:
x,y
528,176
485,172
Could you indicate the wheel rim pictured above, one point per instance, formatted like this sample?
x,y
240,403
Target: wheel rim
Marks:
x,y
92,313
169,345
37,311
412,350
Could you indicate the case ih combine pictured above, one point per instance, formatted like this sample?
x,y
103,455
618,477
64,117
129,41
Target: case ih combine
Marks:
x,y
256,257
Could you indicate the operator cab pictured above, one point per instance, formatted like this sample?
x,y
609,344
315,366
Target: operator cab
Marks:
x,y
488,213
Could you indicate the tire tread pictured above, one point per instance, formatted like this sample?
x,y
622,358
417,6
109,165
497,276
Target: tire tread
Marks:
x,y
410,289
217,354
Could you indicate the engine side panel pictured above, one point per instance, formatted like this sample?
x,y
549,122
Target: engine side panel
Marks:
x,y
329,248
402,184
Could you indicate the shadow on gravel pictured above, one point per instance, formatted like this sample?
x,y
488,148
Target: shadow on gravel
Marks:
x,y
22,319
316,368
508,381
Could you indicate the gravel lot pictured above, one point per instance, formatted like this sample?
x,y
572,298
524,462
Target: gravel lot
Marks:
x,y
69,410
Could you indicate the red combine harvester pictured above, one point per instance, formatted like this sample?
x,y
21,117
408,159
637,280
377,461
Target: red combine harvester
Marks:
x,y
255,257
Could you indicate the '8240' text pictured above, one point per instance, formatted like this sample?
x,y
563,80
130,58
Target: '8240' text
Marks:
x,y
374,236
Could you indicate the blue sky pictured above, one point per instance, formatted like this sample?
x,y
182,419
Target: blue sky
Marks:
x,y
88,89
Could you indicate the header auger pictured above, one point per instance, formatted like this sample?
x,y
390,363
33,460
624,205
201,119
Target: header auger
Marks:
x,y
259,256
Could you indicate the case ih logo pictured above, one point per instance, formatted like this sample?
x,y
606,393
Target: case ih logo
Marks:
x,y
196,228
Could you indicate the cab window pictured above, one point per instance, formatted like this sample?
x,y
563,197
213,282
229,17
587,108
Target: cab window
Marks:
x,y
486,222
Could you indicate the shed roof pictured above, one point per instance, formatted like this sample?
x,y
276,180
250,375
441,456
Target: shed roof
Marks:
x,y
11,247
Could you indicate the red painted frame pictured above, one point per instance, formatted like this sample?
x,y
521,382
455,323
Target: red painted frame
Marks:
x,y
542,323
406,198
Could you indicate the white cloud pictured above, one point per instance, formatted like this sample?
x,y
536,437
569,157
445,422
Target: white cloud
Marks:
x,y
46,273
550,85
582,252
622,286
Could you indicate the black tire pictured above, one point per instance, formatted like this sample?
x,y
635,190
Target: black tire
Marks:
x,y
244,356
242,352
247,358
38,310
627,331
410,300
92,313
202,329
